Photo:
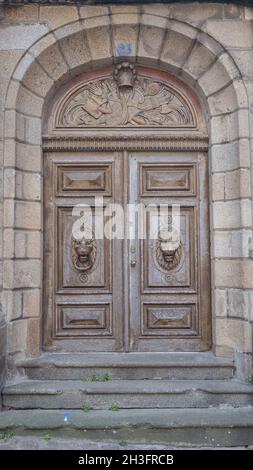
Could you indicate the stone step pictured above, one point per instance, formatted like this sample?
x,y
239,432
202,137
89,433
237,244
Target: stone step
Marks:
x,y
30,394
212,427
72,366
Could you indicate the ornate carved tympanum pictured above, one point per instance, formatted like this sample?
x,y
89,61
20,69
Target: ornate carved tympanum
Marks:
x,y
124,99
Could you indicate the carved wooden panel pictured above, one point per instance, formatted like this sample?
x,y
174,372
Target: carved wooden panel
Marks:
x,y
167,180
167,319
84,320
75,180
179,272
95,271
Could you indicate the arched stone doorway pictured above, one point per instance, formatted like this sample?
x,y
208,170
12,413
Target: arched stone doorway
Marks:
x,y
134,137
209,68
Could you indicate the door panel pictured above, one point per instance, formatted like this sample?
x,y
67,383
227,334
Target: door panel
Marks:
x,y
84,179
169,291
156,273
167,180
70,275
158,319
83,298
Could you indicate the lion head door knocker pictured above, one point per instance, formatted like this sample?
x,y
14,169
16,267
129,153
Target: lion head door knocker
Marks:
x,y
168,248
84,253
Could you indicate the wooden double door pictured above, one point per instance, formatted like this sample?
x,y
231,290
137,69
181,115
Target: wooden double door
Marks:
x,y
133,288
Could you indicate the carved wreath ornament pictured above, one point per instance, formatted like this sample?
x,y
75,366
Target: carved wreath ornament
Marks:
x,y
125,99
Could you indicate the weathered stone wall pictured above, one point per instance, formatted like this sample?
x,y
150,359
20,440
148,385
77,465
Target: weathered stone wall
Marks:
x,y
208,46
